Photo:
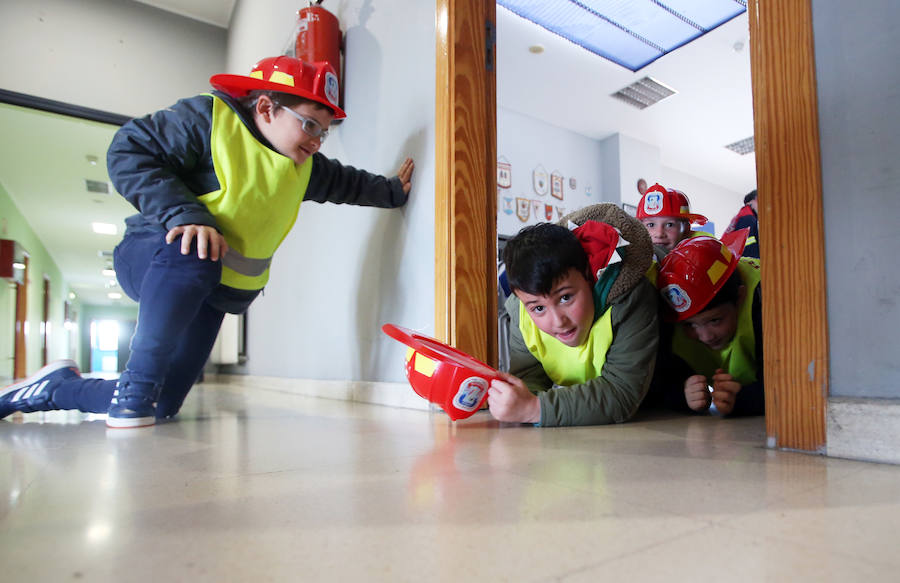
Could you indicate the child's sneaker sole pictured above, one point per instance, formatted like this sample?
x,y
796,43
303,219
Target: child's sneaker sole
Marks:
x,y
130,422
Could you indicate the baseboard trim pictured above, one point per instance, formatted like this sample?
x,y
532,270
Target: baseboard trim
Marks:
x,y
864,429
376,393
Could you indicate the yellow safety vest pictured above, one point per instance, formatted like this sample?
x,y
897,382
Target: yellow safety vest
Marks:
x,y
259,196
568,365
738,358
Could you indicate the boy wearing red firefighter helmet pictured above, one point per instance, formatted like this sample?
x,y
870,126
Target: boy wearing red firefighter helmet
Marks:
x,y
666,214
712,297
217,180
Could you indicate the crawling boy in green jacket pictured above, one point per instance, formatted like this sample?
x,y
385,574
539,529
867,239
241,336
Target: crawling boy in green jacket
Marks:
x,y
583,329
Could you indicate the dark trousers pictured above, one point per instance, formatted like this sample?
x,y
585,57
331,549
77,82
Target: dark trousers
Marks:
x,y
181,305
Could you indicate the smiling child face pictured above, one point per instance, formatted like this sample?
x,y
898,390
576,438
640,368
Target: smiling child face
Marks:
x,y
285,131
567,312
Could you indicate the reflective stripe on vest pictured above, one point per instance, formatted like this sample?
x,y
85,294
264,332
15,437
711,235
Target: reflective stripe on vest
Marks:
x,y
259,195
568,365
738,358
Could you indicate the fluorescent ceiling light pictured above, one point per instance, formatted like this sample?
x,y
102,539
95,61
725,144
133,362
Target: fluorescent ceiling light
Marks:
x,y
114,295
742,147
109,272
631,33
104,228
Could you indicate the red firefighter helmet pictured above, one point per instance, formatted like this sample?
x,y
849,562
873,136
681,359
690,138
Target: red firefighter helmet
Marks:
x,y
442,374
659,201
693,273
315,81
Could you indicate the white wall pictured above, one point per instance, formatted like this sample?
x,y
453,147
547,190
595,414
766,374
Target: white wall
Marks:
x,y
112,55
630,159
525,144
859,129
637,160
344,271
611,167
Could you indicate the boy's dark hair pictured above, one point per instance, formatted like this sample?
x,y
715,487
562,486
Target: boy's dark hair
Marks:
x,y
540,255
728,293
288,100
750,196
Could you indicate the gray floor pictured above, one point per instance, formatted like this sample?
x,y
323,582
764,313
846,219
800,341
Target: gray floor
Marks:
x,y
260,485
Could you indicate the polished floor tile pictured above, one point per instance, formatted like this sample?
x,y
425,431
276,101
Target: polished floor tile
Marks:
x,y
256,485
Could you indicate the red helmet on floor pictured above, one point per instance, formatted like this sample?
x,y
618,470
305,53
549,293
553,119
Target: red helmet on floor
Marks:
x,y
442,374
659,201
314,81
694,271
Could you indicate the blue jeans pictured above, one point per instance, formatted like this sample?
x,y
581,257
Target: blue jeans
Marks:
x,y
181,305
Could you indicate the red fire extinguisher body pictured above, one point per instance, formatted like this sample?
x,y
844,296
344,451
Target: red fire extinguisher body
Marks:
x,y
319,37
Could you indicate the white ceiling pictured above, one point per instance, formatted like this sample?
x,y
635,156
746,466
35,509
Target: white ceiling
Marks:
x,y
565,85
570,87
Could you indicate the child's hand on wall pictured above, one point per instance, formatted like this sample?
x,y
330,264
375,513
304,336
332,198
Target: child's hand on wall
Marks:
x,y
405,174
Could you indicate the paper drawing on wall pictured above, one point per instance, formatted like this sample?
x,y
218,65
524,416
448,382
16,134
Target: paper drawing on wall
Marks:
x,y
556,185
572,183
539,178
587,189
504,173
548,212
508,205
560,212
536,208
523,208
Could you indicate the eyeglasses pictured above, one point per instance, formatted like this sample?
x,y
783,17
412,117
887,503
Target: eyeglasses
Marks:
x,y
308,125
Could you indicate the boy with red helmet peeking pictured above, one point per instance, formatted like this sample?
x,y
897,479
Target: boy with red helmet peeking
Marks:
x,y
713,355
218,180
583,329
666,214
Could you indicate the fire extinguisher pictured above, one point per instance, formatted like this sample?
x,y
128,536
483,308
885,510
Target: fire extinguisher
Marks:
x,y
319,39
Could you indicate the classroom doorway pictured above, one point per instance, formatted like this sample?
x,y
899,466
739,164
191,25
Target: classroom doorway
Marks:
x,y
787,152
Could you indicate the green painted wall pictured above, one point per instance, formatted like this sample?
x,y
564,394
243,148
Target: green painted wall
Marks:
x,y
61,342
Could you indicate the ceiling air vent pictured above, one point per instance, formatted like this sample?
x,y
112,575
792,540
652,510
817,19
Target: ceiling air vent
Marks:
x,y
742,147
644,93
96,186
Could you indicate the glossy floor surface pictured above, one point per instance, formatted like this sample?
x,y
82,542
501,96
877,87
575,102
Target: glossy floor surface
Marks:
x,y
267,486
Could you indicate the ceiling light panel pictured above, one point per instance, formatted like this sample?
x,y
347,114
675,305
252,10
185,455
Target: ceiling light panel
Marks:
x,y
96,186
644,93
742,147
631,33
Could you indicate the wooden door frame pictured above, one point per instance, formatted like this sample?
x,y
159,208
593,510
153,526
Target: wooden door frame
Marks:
x,y
788,178
20,362
45,321
792,243
465,177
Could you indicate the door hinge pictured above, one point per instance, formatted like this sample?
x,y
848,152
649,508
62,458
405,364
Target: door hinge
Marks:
x,y
490,42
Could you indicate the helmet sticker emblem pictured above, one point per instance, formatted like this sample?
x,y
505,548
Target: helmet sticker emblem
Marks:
x,y
677,298
653,203
470,393
331,87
